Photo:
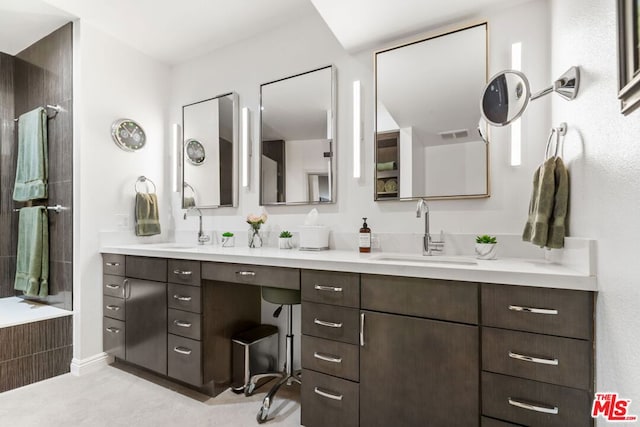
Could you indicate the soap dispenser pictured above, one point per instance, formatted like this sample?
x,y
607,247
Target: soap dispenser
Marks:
x,y
365,237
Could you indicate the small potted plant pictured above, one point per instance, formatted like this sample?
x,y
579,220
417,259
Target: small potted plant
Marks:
x,y
486,247
285,240
228,241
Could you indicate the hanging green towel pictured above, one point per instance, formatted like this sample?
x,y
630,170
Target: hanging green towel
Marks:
x,y
147,217
536,229
557,230
33,163
32,264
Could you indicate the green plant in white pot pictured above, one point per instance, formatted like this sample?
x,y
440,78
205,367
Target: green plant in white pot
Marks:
x,y
285,241
486,247
228,240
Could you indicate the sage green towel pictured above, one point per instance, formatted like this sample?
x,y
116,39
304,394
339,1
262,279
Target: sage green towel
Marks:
x,y
32,264
147,218
557,230
386,166
189,202
536,229
33,163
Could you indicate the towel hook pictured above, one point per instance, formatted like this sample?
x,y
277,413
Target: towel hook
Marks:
x,y
144,180
559,131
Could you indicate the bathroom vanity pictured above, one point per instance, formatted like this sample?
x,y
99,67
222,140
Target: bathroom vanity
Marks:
x,y
496,343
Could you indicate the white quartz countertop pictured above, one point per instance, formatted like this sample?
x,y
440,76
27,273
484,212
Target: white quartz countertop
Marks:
x,y
511,271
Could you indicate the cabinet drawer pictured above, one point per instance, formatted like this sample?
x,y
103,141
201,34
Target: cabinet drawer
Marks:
x,y
329,287
328,401
430,298
113,286
184,324
113,341
547,311
556,360
277,277
145,268
113,307
534,403
184,272
332,322
490,422
331,357
184,360
184,297
113,264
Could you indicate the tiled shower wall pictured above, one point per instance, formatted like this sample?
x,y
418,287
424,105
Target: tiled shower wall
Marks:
x,y
40,75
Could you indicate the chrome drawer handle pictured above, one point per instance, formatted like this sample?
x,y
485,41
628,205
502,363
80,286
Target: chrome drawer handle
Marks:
x,y
327,357
327,288
540,360
112,286
327,395
181,297
182,350
113,307
533,310
246,273
113,330
327,324
534,407
361,329
113,264
182,323
183,272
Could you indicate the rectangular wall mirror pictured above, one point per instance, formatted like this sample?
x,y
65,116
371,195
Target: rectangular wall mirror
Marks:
x,y
297,139
427,113
210,152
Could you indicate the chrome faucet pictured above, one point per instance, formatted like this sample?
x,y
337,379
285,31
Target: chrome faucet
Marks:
x,y
202,238
429,246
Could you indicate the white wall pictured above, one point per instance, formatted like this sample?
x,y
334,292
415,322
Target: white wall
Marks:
x,y
302,158
111,81
455,168
603,152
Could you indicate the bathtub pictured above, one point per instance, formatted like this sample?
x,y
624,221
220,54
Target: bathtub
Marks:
x,y
16,311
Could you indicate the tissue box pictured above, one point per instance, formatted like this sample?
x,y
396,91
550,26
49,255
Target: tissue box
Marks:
x,y
314,237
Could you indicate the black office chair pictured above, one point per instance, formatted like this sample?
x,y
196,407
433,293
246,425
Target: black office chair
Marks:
x,y
283,297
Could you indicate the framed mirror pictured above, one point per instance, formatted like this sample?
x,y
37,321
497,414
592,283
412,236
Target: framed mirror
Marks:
x,y
426,142
210,152
297,139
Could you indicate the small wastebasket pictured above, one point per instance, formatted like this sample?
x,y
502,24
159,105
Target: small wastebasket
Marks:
x,y
254,351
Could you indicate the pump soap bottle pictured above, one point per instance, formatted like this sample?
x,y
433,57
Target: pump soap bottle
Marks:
x,y
365,237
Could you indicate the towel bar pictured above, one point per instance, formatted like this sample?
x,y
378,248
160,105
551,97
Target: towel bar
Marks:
x,y
56,208
56,109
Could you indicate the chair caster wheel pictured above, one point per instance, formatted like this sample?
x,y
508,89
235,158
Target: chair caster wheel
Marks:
x,y
262,415
249,389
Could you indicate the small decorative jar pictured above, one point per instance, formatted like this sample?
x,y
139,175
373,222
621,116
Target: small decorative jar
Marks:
x,y
486,250
228,240
285,243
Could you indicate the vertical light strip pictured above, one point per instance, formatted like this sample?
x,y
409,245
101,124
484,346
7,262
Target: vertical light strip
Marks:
x,y
246,154
357,128
176,158
516,126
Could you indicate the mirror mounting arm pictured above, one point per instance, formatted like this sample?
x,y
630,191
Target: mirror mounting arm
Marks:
x,y
566,85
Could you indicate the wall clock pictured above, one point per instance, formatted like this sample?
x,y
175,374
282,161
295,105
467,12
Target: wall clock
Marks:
x,y
128,135
194,151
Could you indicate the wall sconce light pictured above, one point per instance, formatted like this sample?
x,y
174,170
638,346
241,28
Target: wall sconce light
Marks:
x,y
357,128
176,158
516,126
246,148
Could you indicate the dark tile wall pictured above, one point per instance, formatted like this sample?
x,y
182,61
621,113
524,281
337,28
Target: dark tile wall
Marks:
x,y
35,351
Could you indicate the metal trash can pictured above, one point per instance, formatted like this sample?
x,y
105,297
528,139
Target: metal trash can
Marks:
x,y
254,351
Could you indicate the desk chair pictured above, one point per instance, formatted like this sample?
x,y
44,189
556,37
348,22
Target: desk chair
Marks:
x,y
283,297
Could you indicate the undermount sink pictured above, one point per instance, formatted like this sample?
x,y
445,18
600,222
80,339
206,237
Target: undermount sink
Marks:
x,y
418,259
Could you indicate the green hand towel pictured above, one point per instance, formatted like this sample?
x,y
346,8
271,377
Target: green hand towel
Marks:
x,y
32,264
386,166
541,206
189,202
557,230
33,164
147,217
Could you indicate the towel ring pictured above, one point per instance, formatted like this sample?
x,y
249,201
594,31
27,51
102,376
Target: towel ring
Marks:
x,y
144,180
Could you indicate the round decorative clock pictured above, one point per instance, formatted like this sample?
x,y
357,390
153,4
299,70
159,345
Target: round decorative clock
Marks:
x,y
194,151
128,135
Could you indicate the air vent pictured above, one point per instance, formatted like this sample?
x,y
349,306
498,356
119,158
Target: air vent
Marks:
x,y
454,134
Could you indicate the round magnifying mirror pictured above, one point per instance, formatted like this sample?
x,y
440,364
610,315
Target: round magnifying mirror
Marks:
x,y
505,97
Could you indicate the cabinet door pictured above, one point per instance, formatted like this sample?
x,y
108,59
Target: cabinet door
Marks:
x,y
418,372
146,314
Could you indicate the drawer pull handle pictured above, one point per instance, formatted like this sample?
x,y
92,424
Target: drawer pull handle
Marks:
x,y
112,286
182,350
183,272
327,357
540,360
534,407
113,330
182,323
533,310
327,324
327,395
246,273
327,288
113,264
361,329
181,297
113,307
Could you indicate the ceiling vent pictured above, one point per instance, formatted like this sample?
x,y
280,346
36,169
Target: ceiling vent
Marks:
x,y
454,134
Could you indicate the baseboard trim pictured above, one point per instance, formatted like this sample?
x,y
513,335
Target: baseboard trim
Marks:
x,y
90,364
